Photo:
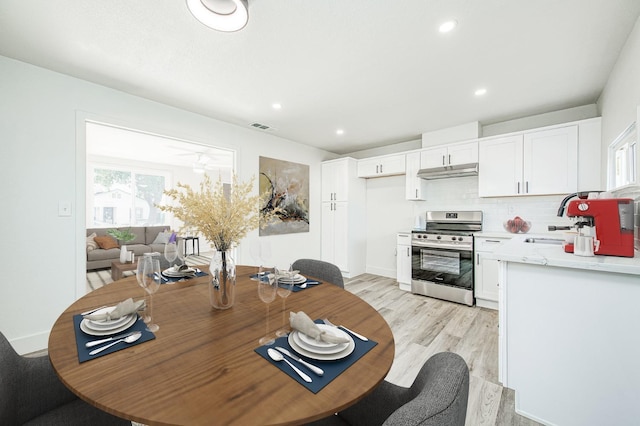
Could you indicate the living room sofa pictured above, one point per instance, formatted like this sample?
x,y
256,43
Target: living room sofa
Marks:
x,y
146,241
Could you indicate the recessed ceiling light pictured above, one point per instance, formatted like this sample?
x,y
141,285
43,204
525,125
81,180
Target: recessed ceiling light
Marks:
x,y
447,26
480,92
276,106
221,15
339,132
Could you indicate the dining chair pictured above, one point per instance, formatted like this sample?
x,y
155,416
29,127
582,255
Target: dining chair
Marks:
x,y
31,393
437,397
319,269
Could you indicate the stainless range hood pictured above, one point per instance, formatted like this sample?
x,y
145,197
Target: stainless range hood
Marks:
x,y
444,172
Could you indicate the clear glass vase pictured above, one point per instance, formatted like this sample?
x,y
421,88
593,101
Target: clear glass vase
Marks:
x,y
222,290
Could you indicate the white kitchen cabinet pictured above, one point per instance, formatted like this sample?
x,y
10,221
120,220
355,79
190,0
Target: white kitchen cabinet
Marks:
x,y
386,165
403,261
343,236
531,163
337,177
449,155
486,271
415,187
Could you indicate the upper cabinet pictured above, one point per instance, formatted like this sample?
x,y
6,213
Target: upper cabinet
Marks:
x,y
415,187
449,155
386,165
337,176
531,163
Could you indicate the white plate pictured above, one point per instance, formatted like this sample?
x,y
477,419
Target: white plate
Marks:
x,y
321,357
83,327
316,350
108,325
311,342
174,274
298,279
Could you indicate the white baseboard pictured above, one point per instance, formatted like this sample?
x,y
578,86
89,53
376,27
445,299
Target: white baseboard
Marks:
x,y
32,343
389,273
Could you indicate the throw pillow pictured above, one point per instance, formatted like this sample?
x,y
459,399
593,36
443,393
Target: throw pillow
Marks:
x,y
91,243
162,238
106,242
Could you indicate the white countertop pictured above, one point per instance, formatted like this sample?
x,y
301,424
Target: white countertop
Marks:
x,y
516,250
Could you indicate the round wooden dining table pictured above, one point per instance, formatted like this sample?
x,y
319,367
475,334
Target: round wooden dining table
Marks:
x,y
202,368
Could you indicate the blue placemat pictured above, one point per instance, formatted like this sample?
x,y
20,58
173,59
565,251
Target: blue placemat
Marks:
x,y
296,287
332,369
82,338
167,279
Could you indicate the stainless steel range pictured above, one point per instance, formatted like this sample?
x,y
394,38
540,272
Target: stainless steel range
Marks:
x,y
442,256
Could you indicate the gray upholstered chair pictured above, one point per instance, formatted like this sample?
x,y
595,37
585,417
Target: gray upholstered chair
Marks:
x,y
437,397
324,271
31,393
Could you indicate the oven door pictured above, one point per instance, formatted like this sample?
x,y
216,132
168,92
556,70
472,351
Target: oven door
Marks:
x,y
453,267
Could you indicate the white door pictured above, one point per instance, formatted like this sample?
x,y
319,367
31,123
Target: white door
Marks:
x,y
341,235
463,153
433,157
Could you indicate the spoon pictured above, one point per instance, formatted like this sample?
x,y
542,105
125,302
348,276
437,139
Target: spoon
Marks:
x,y
277,356
128,339
306,283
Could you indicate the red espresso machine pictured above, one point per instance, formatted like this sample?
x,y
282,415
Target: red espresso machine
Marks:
x,y
612,220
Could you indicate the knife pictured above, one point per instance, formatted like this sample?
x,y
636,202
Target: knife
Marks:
x,y
317,370
108,339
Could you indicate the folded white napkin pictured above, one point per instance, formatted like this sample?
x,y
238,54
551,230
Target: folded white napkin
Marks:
x,y
122,309
301,322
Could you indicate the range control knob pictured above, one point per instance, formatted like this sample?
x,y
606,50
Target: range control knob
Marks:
x,y
453,238
460,238
438,237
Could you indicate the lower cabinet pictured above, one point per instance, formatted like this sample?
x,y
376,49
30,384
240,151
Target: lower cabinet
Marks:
x,y
486,271
403,261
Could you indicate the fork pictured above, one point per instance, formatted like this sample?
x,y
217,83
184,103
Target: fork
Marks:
x,y
359,336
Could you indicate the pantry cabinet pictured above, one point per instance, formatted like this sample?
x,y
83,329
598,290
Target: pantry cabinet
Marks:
x,y
386,165
530,163
449,155
486,271
415,187
403,260
343,234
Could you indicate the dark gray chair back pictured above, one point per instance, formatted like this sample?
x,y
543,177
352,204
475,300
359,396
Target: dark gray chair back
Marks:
x,y
31,392
324,271
438,397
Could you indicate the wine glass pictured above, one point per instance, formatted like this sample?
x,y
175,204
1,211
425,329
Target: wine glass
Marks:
x,y
139,276
180,252
284,280
267,290
151,282
171,252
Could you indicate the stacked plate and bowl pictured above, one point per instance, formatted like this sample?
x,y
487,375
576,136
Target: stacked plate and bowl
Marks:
x,y
107,327
323,351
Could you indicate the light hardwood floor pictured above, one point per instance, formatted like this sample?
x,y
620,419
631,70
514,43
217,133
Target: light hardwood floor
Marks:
x,y
423,326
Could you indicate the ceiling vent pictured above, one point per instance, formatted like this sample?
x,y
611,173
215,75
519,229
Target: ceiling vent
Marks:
x,y
260,126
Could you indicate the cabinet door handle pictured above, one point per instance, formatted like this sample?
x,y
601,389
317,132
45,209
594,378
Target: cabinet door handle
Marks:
x,y
416,192
443,162
477,258
408,251
377,169
518,187
449,158
380,168
526,185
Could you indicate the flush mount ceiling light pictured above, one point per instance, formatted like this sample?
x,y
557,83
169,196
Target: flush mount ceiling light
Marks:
x,y
480,92
447,26
221,15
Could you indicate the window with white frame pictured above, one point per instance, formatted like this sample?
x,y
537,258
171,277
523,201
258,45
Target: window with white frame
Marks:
x,y
623,155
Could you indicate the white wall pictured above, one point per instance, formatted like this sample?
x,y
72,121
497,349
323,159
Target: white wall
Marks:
x,y
620,98
42,162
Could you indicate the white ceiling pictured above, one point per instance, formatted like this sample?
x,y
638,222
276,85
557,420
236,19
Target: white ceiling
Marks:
x,y
377,69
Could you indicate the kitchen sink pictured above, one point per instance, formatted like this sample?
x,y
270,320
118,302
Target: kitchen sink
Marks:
x,y
555,241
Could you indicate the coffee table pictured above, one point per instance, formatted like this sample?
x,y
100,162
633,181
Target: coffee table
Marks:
x,y
117,268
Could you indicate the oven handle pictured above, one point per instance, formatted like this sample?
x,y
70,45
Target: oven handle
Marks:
x,y
443,246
